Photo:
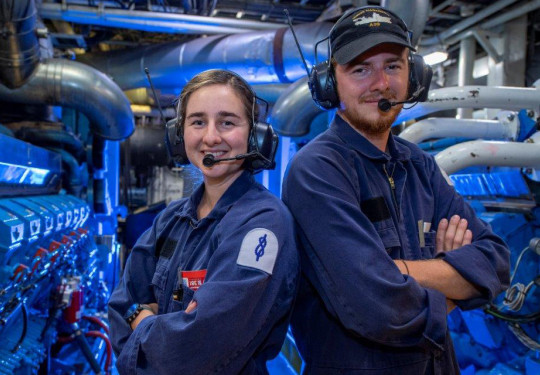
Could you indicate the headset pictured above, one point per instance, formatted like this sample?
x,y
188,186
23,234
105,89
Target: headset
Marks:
x,y
322,81
262,141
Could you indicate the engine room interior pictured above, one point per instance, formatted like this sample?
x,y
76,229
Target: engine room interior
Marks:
x,y
86,90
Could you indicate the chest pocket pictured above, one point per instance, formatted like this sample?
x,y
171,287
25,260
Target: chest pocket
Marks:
x,y
428,251
159,281
388,234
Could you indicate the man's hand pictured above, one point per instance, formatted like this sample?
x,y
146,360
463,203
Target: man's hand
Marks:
x,y
438,274
452,234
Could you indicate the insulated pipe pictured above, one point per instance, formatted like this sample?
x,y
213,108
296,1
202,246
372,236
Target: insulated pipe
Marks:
x,y
464,128
489,153
19,47
510,98
294,110
468,22
75,85
151,21
259,57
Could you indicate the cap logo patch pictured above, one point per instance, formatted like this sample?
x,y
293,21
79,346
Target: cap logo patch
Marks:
x,y
259,250
373,19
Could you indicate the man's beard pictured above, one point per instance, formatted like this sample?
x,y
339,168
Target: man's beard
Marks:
x,y
368,126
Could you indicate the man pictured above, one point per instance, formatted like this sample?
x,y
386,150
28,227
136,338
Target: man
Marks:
x,y
387,245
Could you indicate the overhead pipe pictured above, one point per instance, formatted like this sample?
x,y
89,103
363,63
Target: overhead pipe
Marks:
x,y
259,57
151,21
505,128
75,85
468,22
506,16
413,12
509,98
489,153
19,47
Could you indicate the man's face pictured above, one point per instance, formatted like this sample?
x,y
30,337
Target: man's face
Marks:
x,y
381,72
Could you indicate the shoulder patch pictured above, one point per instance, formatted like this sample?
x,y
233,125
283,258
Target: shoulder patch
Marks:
x,y
259,250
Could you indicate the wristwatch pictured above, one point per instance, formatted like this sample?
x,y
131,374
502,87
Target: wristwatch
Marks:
x,y
133,312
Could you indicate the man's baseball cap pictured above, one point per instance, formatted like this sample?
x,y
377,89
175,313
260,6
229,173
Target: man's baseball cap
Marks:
x,y
360,29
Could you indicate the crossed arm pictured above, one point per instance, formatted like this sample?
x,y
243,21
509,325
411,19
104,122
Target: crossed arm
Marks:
x,y
154,306
438,274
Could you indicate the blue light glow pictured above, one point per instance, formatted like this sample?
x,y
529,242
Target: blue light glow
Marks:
x,y
22,175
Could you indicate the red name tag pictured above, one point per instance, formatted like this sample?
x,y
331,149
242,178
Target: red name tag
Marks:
x,y
193,279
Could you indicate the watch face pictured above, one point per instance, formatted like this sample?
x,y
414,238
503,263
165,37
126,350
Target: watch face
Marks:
x,y
131,311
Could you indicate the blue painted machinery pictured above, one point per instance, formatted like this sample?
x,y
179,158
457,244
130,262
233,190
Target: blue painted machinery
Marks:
x,y
503,338
53,284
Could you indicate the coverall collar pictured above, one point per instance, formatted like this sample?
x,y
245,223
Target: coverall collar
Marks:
x,y
240,186
357,141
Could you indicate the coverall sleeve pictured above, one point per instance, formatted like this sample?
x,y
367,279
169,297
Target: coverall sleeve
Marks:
x,y
237,306
347,262
134,286
485,262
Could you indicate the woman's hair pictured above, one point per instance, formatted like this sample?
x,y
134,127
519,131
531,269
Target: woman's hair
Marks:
x,y
219,77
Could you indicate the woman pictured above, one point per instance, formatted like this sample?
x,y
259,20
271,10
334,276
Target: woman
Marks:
x,y
209,287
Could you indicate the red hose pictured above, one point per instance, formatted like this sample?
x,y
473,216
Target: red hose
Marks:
x,y
96,320
108,359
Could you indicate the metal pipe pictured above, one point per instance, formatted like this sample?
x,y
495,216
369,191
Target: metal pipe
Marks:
x,y
75,179
75,85
489,153
294,110
486,44
413,12
151,21
467,55
503,18
85,348
510,98
470,21
19,47
466,128
441,6
259,57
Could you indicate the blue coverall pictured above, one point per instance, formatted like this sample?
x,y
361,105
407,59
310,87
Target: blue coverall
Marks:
x,y
247,247
358,208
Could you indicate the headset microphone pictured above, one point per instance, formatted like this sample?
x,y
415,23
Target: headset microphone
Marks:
x,y
209,159
385,104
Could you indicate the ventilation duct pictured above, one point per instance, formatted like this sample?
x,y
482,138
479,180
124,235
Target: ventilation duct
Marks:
x,y
19,47
259,57
71,84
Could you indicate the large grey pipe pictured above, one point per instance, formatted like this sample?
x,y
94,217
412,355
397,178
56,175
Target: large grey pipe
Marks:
x,y
75,85
19,47
294,110
259,57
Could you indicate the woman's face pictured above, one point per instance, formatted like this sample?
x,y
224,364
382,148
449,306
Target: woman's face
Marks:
x,y
216,123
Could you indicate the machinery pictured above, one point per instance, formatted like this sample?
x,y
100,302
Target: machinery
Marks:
x,y
53,289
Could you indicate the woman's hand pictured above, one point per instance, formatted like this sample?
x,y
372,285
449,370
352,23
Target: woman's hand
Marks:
x,y
144,314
